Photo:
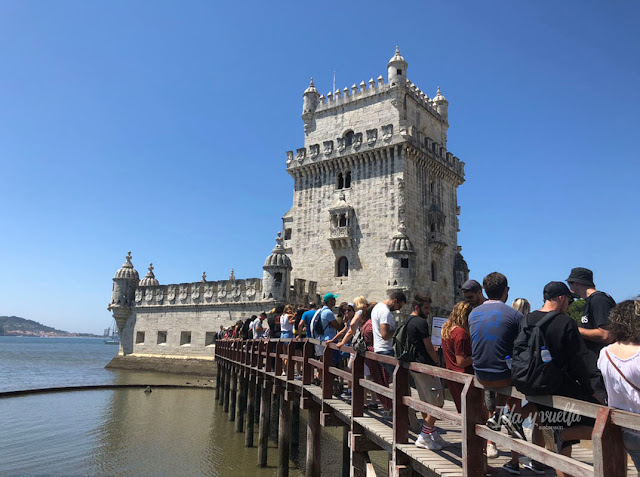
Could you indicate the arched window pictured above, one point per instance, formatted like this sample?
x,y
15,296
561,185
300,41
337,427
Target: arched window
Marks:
x,y
348,138
347,180
434,276
343,221
342,267
340,181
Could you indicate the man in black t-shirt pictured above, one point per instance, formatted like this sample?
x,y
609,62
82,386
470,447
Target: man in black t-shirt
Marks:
x,y
568,352
429,387
594,326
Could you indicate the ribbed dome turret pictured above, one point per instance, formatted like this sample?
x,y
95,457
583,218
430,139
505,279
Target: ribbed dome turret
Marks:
x,y
278,257
149,279
311,88
127,271
439,97
397,59
400,242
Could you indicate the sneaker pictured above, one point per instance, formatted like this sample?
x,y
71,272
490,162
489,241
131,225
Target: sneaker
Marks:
x,y
493,423
492,450
512,468
439,440
427,442
386,414
534,466
515,429
298,377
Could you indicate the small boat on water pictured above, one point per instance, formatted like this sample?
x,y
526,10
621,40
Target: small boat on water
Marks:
x,y
111,336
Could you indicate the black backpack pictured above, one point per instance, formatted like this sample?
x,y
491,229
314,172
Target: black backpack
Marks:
x,y
402,347
529,374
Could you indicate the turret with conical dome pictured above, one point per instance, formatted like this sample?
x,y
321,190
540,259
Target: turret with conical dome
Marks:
x,y
397,70
309,104
277,272
442,105
401,264
149,279
125,283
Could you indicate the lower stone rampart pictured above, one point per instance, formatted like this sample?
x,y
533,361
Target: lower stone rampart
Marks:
x,y
164,364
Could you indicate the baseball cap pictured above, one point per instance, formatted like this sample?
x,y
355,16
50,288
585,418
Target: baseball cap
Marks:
x,y
580,275
329,296
471,286
556,289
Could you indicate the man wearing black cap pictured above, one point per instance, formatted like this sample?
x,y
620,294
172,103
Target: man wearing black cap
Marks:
x,y
472,291
568,352
594,326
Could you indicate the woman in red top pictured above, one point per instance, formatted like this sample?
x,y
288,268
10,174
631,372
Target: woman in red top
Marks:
x,y
456,346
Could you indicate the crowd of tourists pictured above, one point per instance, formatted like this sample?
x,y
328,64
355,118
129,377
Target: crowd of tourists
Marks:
x,y
540,352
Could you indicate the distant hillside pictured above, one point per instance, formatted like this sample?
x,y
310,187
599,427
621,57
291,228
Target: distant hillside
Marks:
x,y
14,325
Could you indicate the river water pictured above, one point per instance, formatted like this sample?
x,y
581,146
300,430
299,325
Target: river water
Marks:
x,y
170,432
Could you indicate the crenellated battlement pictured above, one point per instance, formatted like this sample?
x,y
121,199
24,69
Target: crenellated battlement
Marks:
x,y
372,139
200,293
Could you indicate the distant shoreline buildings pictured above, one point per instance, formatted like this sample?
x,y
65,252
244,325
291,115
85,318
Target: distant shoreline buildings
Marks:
x,y
374,210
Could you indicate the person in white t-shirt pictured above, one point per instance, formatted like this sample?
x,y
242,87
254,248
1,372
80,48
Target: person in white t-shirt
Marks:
x,y
620,366
384,324
252,326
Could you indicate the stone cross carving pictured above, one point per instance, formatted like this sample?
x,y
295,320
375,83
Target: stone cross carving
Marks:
x,y
204,277
233,275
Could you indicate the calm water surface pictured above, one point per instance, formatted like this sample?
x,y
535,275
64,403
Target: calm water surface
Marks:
x,y
170,432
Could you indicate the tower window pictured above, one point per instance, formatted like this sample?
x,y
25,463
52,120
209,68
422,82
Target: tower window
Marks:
x,y
434,276
277,277
140,337
340,181
343,221
400,72
287,234
404,263
432,187
162,337
343,267
348,138
347,180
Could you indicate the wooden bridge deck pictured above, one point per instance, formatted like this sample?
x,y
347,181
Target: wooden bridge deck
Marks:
x,y
369,430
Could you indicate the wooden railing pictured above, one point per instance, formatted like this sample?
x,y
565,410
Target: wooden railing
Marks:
x,y
262,356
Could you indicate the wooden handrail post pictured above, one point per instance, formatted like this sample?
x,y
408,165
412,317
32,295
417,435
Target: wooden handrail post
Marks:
x,y
307,369
290,362
269,361
327,381
279,351
357,391
609,456
400,463
260,350
473,459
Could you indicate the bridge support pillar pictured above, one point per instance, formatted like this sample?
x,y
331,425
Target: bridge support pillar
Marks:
x,y
218,381
314,456
263,426
284,437
251,410
241,401
233,392
227,388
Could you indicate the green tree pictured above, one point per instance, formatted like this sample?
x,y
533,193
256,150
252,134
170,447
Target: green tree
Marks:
x,y
575,310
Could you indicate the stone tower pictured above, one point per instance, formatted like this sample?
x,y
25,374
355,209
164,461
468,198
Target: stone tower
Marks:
x,y
375,192
123,292
276,279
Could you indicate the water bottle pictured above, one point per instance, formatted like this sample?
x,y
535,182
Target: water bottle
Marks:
x,y
545,355
507,360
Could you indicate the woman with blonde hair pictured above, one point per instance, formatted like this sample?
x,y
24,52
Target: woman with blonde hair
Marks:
x,y
522,305
287,320
456,346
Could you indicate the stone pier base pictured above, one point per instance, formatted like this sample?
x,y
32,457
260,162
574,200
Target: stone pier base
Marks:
x,y
176,365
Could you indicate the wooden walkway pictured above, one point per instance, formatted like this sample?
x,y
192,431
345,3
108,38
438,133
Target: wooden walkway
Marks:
x,y
258,367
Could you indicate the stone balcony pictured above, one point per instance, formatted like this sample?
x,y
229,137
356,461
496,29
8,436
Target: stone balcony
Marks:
x,y
437,241
340,237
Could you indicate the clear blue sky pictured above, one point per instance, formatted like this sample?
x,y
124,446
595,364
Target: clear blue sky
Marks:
x,y
161,127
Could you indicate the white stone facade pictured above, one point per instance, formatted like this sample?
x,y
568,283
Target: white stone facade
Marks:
x,y
390,140
374,210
